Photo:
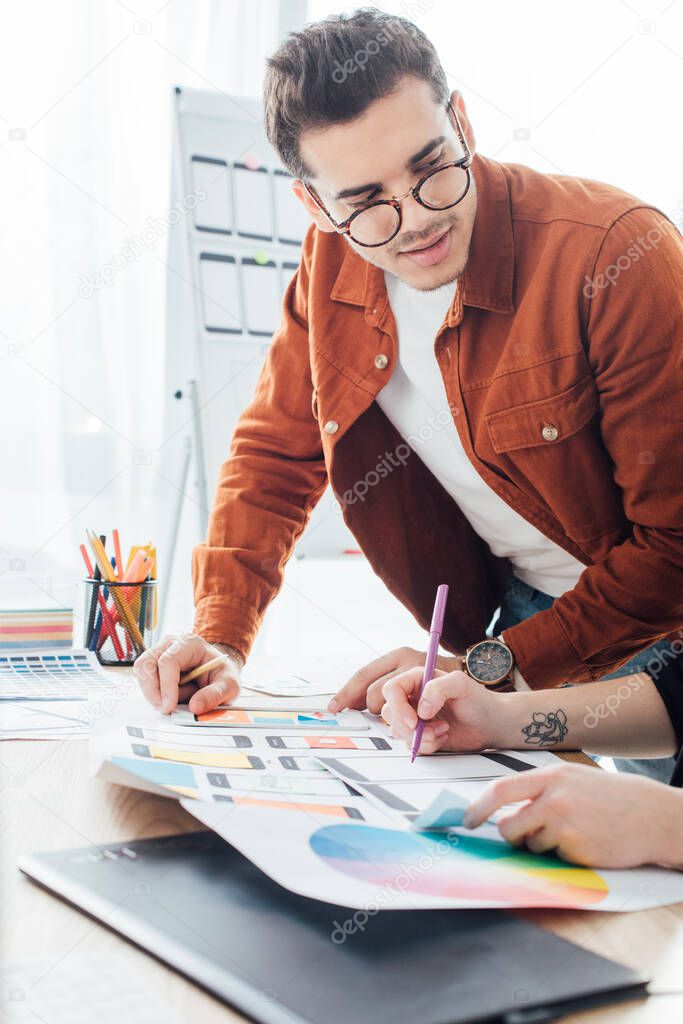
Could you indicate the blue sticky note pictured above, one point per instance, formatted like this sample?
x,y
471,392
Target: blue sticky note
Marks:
x,y
446,811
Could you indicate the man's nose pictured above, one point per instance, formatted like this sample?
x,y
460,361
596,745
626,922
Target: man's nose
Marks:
x,y
416,220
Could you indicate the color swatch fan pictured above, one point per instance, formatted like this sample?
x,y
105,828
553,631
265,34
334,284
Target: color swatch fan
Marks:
x,y
50,675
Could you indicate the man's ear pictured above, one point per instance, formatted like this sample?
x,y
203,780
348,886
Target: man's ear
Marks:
x,y
458,104
311,207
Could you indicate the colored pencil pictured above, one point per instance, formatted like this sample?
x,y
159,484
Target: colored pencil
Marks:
x,y
117,553
127,621
109,616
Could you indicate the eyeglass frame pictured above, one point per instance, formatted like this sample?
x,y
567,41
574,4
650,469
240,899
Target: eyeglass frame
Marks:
x,y
344,227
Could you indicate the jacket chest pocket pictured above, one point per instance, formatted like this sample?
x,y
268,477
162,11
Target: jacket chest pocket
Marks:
x,y
553,447
548,421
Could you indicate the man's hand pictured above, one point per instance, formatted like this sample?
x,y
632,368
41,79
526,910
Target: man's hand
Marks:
x,y
159,669
364,688
590,817
459,713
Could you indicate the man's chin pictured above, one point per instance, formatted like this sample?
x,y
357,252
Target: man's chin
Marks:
x,y
406,268
426,270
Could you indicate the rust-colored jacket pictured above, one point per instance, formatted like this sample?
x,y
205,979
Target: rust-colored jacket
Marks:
x,y
568,316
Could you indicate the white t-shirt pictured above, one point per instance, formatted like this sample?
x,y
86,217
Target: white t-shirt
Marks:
x,y
415,401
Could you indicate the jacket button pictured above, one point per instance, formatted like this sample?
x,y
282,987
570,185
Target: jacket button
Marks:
x,y
331,427
550,432
381,361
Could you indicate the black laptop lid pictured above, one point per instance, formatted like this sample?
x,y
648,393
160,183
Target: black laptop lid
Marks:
x,y
197,904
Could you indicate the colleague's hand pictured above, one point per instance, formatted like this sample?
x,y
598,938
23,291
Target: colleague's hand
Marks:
x,y
364,688
590,817
459,714
159,669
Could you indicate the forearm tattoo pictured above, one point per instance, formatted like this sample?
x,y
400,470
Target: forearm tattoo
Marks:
x,y
544,730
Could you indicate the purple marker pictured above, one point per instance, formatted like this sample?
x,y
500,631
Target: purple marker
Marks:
x,y
430,663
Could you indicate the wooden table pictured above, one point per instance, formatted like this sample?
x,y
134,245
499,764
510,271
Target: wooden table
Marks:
x,y
48,801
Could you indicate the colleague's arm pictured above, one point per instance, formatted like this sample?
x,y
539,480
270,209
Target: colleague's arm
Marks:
x,y
624,716
586,816
267,488
634,595
598,819
266,492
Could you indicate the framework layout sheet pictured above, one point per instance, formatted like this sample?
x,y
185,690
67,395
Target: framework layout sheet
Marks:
x,y
336,816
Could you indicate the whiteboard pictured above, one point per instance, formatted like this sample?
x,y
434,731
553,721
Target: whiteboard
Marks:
x,y
231,255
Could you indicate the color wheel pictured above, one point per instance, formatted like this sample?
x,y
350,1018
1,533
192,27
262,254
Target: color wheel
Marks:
x,y
456,867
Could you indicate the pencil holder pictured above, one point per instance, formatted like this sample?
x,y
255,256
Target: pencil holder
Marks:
x,y
119,619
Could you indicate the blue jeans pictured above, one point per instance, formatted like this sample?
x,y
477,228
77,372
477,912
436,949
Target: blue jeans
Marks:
x,y
521,601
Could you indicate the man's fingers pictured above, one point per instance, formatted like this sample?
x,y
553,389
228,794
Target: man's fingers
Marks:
x,y
352,694
404,685
146,670
187,690
398,692
520,825
401,692
543,841
439,690
159,669
433,734
397,727
223,688
186,653
433,737
374,698
509,790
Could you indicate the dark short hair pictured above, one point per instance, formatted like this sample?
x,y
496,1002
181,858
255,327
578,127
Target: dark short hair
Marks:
x,y
332,70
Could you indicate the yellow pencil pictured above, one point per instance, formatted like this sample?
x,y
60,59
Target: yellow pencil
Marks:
x,y
201,669
108,576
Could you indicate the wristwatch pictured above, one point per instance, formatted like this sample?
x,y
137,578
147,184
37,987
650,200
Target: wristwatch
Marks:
x,y
490,662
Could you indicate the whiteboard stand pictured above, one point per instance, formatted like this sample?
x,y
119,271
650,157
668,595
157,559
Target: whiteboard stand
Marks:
x,y
232,251
192,446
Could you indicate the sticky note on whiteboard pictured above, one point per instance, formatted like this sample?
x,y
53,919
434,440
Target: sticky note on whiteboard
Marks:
x,y
253,202
219,286
261,296
211,181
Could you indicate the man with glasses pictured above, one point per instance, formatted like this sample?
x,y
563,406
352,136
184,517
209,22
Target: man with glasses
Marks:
x,y
492,406
375,222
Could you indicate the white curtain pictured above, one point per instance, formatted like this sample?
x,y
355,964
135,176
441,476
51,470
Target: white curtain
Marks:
x,y
581,88
84,168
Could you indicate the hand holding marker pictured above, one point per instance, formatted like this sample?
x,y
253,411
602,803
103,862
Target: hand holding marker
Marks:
x,y
430,664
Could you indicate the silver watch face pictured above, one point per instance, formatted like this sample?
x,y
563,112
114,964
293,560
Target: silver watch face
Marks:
x,y
489,661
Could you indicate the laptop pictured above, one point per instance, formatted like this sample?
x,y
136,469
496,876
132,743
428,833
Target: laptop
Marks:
x,y
198,905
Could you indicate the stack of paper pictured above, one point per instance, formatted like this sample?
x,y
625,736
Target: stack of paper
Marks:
x,y
37,628
330,807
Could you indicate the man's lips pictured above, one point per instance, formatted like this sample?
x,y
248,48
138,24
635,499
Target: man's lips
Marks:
x,y
431,253
426,245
